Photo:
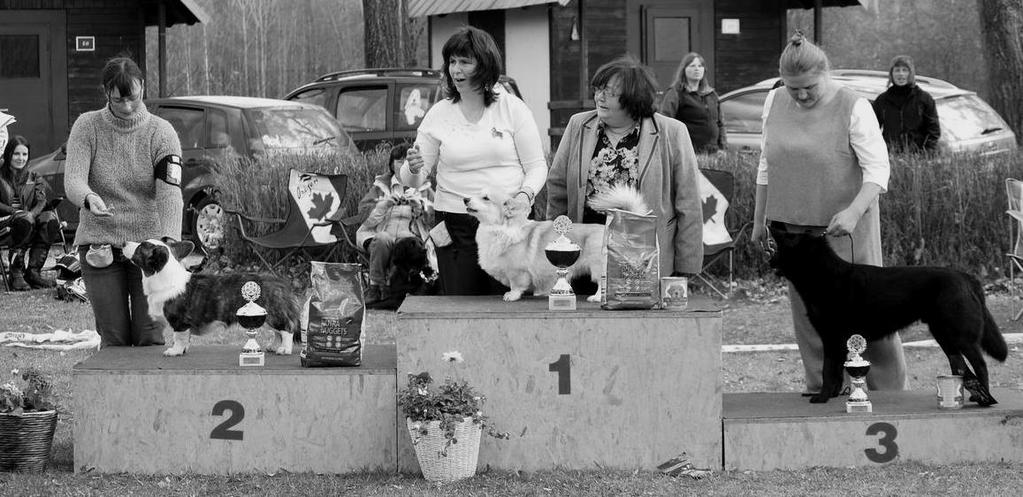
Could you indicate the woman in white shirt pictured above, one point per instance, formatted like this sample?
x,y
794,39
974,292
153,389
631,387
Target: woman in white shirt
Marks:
x,y
827,162
479,137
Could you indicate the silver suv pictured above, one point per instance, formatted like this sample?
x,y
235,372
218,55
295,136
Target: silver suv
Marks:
x,y
968,124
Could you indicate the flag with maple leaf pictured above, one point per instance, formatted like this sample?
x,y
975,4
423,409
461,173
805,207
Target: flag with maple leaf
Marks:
x,y
317,197
714,206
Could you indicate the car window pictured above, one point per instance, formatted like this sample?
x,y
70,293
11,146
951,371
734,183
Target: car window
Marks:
x,y
966,117
216,129
316,96
742,114
187,122
363,109
413,102
280,128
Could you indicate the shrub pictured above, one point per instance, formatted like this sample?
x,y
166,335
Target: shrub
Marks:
x,y
947,210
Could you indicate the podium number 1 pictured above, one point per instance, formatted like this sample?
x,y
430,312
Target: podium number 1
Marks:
x,y
223,431
563,366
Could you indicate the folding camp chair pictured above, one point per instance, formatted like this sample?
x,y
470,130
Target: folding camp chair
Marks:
x,y
313,221
716,191
1014,192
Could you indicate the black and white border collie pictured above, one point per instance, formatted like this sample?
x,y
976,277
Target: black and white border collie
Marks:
x,y
198,303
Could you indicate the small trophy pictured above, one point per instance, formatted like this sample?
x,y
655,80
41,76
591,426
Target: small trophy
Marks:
x,y
562,253
251,316
857,368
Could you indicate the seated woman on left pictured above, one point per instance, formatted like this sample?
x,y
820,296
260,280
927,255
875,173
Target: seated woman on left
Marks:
x,y
33,230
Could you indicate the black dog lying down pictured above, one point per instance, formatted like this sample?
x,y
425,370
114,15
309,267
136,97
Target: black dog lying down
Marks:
x,y
410,274
843,299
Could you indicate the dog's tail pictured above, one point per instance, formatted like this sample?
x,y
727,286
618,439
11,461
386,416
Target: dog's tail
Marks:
x,y
991,339
620,197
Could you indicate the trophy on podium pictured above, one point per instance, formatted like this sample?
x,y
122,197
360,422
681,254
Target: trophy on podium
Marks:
x,y
857,368
562,253
251,316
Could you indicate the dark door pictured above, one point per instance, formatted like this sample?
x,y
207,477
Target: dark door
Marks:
x,y
33,76
661,32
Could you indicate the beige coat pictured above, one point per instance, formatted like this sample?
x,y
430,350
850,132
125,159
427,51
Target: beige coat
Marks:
x,y
667,178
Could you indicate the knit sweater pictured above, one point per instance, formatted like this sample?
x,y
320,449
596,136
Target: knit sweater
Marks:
x,y
116,159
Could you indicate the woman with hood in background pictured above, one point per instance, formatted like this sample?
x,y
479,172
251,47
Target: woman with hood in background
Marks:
x,y
906,113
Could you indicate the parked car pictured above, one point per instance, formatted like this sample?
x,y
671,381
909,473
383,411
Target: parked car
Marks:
x,y
379,105
213,129
968,124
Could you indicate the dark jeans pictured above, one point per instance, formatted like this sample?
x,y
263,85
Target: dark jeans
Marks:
x,y
44,230
119,304
459,262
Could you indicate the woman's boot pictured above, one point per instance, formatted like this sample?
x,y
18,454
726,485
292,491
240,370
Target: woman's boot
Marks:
x,y
36,260
18,272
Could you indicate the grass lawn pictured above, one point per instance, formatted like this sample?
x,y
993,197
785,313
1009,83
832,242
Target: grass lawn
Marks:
x,y
761,321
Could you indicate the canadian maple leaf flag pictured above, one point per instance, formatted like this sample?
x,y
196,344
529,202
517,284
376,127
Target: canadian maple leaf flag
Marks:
x,y
316,197
714,207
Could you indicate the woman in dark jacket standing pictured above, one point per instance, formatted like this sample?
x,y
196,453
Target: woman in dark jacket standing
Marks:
x,y
691,100
906,113
22,199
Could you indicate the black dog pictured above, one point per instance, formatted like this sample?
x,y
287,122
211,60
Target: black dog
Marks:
x,y
410,274
843,299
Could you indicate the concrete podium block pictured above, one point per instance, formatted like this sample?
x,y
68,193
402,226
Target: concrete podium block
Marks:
x,y
137,411
581,389
767,431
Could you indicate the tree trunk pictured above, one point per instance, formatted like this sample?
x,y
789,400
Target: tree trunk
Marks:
x,y
384,31
1002,23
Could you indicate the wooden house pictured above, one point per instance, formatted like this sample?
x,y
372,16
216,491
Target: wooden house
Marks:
x,y
552,47
52,52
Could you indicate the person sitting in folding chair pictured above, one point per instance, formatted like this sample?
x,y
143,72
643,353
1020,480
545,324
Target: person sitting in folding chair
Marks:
x,y
397,212
23,207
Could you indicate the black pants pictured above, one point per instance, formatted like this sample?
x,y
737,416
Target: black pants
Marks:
x,y
458,263
43,230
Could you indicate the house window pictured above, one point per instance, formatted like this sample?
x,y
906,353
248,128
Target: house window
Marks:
x,y
19,56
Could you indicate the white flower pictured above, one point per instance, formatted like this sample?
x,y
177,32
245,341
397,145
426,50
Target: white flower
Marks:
x,y
422,391
14,372
453,356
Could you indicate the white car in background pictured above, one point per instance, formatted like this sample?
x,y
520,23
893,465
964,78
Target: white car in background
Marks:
x,y
968,124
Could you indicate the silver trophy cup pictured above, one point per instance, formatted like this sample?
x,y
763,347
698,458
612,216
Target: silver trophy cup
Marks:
x,y
251,316
857,367
562,253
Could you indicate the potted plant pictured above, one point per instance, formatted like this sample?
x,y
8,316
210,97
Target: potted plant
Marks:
x,y
27,421
445,423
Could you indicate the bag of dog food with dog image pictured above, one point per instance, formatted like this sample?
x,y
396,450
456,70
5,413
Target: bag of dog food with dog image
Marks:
x,y
632,261
336,329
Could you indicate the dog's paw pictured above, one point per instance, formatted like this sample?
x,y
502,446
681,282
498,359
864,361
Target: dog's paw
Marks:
x,y
819,399
282,350
593,298
512,295
282,343
175,351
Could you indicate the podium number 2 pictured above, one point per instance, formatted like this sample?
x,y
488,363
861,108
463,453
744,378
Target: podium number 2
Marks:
x,y
223,431
563,366
887,440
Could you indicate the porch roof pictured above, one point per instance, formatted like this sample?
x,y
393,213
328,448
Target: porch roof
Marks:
x,y
419,8
177,12
809,4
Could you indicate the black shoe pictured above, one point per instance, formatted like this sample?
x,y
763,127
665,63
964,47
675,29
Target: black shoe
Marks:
x,y
373,294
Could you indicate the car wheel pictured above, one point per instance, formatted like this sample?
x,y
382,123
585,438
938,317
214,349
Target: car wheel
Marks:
x,y
208,225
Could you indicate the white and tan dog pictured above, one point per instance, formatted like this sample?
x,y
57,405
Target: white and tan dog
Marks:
x,y
198,303
511,247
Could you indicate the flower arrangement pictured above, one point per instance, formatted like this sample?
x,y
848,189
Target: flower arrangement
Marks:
x,y
450,403
35,395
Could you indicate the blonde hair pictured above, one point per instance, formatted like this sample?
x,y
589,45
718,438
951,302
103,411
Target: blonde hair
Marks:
x,y
801,56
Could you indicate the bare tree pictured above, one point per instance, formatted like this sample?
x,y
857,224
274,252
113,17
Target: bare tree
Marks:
x,y
385,32
1002,22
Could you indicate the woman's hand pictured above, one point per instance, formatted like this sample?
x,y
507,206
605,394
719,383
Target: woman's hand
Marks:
x,y
759,233
28,216
414,159
844,222
97,206
518,203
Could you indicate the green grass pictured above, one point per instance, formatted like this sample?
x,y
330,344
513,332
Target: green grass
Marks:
x,y
764,319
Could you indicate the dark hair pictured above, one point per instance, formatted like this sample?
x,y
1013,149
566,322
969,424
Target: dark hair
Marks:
x,y
480,46
801,56
639,86
398,152
680,73
6,170
121,73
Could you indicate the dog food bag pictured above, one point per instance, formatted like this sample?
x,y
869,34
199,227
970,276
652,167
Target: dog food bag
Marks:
x,y
632,261
336,329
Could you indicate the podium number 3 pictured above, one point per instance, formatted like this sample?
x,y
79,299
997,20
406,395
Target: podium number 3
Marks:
x,y
887,441
563,366
223,431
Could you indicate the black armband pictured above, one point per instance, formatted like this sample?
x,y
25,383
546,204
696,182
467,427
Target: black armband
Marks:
x,y
168,169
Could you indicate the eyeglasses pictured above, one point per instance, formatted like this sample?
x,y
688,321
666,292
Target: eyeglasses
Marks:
x,y
124,100
607,91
